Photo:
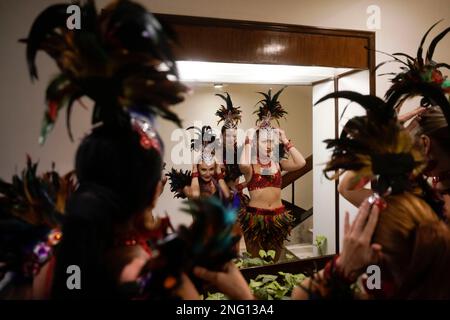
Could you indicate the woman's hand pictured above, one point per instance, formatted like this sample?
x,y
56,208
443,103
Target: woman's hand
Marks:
x,y
284,140
414,115
194,190
163,183
187,290
358,251
249,135
246,155
229,281
132,270
218,169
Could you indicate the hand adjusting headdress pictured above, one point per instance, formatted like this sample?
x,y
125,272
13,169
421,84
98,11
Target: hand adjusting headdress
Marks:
x,y
375,146
420,77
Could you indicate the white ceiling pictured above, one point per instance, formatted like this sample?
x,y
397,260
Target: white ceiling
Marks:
x,y
217,72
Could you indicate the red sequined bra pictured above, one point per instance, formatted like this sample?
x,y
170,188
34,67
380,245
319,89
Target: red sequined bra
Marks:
x,y
259,181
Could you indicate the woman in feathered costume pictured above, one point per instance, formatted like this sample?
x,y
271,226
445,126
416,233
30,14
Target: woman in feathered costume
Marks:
x,y
209,242
432,135
420,76
207,178
396,229
423,77
231,152
122,60
265,222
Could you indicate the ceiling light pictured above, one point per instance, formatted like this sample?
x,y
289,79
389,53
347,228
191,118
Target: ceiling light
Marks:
x,y
219,73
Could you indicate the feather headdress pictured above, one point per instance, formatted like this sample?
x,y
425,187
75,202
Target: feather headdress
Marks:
x,y
120,58
230,115
178,179
31,212
375,146
208,242
269,109
420,76
204,142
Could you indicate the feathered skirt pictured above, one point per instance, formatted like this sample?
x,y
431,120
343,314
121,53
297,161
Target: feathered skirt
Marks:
x,y
264,228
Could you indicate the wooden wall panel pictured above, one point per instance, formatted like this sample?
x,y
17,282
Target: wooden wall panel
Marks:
x,y
234,41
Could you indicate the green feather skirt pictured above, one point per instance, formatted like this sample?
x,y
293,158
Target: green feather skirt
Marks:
x,y
267,229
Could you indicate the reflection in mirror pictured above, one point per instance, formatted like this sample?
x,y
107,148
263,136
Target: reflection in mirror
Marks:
x,y
285,204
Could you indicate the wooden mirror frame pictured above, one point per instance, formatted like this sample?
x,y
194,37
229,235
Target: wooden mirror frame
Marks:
x,y
221,40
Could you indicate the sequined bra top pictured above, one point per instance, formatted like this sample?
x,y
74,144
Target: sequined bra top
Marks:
x,y
259,181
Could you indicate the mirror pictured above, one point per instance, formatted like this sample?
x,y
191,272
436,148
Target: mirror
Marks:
x,y
199,110
243,58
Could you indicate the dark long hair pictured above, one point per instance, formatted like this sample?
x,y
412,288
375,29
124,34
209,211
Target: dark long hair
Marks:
x,y
118,179
232,170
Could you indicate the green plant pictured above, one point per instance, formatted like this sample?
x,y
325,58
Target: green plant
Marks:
x,y
320,242
247,260
268,286
289,256
269,254
292,280
216,296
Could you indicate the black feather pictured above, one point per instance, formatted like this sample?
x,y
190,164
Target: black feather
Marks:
x,y
178,179
53,17
115,59
434,43
420,49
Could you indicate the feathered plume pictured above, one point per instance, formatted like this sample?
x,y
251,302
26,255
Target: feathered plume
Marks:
x,y
31,214
420,76
270,108
375,146
120,58
179,179
203,142
211,236
230,115
208,242
37,199
204,137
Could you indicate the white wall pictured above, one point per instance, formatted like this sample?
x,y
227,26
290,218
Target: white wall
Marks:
x,y
323,189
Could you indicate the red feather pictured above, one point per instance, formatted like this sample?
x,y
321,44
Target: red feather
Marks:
x,y
52,110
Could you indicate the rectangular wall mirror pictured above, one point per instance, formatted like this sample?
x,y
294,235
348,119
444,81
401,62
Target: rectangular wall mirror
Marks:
x,y
243,58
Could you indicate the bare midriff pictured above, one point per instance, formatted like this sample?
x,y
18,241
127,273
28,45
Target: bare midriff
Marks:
x,y
266,198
